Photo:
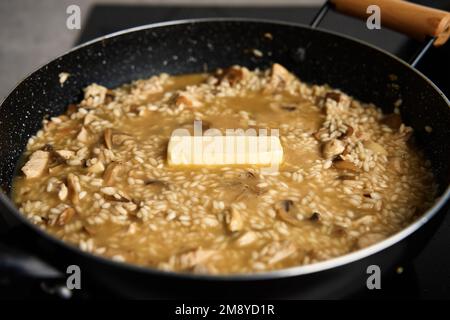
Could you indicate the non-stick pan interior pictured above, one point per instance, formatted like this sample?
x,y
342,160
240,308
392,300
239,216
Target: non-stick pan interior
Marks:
x,y
315,56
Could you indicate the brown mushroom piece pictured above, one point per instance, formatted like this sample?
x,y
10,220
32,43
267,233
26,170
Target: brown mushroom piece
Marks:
x,y
333,95
107,136
348,133
66,216
111,172
393,121
73,183
345,165
332,148
232,74
285,210
315,217
37,164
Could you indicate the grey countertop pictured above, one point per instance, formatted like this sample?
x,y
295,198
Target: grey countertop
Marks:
x,y
34,32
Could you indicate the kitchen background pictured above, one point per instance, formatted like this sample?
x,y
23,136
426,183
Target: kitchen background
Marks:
x,y
32,32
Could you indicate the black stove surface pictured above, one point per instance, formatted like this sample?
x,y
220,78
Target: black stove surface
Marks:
x,y
428,275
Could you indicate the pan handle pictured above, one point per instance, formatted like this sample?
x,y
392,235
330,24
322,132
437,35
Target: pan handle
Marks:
x,y
417,21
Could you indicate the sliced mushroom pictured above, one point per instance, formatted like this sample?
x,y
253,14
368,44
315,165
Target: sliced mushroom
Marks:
x,y
348,133
37,164
107,136
55,169
120,138
66,216
314,217
232,74
111,172
73,183
345,165
283,107
233,220
121,196
186,99
333,148
155,182
285,210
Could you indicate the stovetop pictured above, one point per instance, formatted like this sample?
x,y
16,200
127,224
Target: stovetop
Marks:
x,y
427,276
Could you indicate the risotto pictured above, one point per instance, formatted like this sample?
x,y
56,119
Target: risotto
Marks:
x,y
98,177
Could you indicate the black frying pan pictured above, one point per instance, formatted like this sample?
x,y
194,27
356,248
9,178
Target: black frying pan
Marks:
x,y
316,56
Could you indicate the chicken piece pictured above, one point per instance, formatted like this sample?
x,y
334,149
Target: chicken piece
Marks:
x,y
94,96
246,239
37,164
83,135
65,154
278,251
63,192
233,220
192,258
279,77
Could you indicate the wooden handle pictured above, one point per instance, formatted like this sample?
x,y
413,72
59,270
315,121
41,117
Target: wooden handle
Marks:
x,y
412,19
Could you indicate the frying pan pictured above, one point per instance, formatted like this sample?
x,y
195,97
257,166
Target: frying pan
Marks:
x,y
316,56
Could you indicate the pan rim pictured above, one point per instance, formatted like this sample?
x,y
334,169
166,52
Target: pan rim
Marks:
x,y
329,264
